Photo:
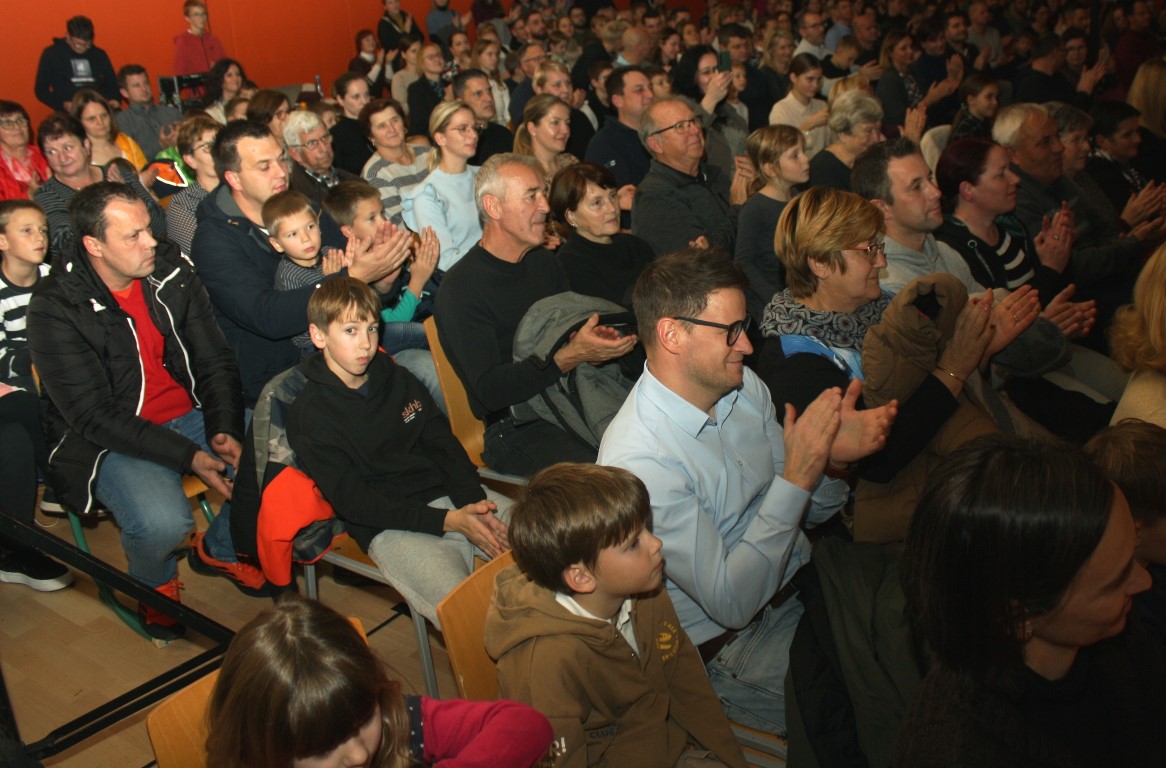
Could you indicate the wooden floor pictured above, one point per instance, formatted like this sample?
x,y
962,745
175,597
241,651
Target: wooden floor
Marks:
x,y
64,653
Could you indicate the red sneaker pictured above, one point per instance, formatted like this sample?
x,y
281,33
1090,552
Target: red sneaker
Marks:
x,y
157,624
247,578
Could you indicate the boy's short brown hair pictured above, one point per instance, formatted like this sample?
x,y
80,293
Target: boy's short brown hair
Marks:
x,y
1132,456
282,205
342,199
9,207
342,298
568,513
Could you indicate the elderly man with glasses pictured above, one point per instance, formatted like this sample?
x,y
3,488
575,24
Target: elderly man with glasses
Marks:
x,y
682,201
310,145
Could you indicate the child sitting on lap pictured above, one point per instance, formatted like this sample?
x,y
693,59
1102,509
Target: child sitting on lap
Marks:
x,y
583,632
300,688
293,228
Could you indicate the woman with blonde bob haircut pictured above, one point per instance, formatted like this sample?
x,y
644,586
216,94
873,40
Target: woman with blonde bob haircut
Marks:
x,y
1137,341
300,687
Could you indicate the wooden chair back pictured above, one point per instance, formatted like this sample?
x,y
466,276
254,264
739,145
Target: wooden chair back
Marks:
x,y
178,727
463,623
466,427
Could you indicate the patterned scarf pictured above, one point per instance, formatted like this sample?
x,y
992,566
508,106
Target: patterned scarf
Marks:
x,y
786,316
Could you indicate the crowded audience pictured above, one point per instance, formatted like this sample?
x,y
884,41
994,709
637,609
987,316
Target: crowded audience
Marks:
x,y
885,266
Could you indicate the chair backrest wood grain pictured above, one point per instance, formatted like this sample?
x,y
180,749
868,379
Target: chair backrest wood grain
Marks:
x,y
463,622
467,428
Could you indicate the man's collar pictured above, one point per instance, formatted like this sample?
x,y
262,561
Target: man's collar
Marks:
x,y
687,416
681,175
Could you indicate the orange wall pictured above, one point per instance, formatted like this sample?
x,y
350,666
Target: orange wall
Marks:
x,y
278,41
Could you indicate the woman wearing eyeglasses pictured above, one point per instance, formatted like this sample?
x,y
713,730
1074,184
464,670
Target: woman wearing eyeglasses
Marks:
x,y
697,77
831,244
444,201
22,166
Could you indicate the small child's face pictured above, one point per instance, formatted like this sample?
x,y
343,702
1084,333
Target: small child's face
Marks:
x,y
367,219
26,238
739,79
330,119
632,567
559,48
299,238
348,345
661,86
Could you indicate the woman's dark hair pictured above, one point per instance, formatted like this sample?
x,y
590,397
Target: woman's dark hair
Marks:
x,y
56,126
962,160
803,63
263,106
684,72
1003,527
214,80
340,87
407,39
361,35
13,108
376,106
570,185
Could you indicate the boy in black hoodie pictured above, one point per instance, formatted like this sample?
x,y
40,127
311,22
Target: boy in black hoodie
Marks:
x,y
71,63
368,433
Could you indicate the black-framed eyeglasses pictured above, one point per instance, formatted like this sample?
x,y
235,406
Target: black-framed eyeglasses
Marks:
x,y
682,126
872,251
732,331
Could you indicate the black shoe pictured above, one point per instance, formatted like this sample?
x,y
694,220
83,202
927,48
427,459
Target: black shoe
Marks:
x,y
31,568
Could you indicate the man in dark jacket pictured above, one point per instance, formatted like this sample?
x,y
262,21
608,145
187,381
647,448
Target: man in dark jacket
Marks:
x,y
142,389
237,263
71,63
681,200
616,145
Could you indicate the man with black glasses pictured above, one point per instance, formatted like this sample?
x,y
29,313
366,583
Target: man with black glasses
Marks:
x,y
729,487
681,200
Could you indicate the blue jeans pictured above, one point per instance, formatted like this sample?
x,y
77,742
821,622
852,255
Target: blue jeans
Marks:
x,y
396,337
154,514
749,673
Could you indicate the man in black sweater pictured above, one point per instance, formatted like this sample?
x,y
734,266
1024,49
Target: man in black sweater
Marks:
x,y
483,298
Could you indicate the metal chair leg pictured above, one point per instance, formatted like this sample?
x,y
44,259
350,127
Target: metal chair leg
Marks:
x,y
427,671
310,584
104,593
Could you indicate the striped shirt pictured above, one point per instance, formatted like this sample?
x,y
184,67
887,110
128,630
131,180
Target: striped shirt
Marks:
x,y
391,178
15,361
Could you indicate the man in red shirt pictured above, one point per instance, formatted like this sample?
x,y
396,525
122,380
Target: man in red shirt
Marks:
x,y
143,389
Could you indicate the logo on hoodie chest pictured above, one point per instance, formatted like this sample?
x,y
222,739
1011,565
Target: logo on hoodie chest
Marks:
x,y
410,411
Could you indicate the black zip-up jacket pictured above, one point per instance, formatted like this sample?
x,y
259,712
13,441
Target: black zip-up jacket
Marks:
x,y
85,348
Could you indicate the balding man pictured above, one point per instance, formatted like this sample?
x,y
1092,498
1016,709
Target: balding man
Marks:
x,y
483,298
637,47
681,200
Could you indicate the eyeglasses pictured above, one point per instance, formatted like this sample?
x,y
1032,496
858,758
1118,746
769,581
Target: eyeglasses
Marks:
x,y
683,126
872,252
463,129
732,331
539,59
205,145
13,122
314,144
